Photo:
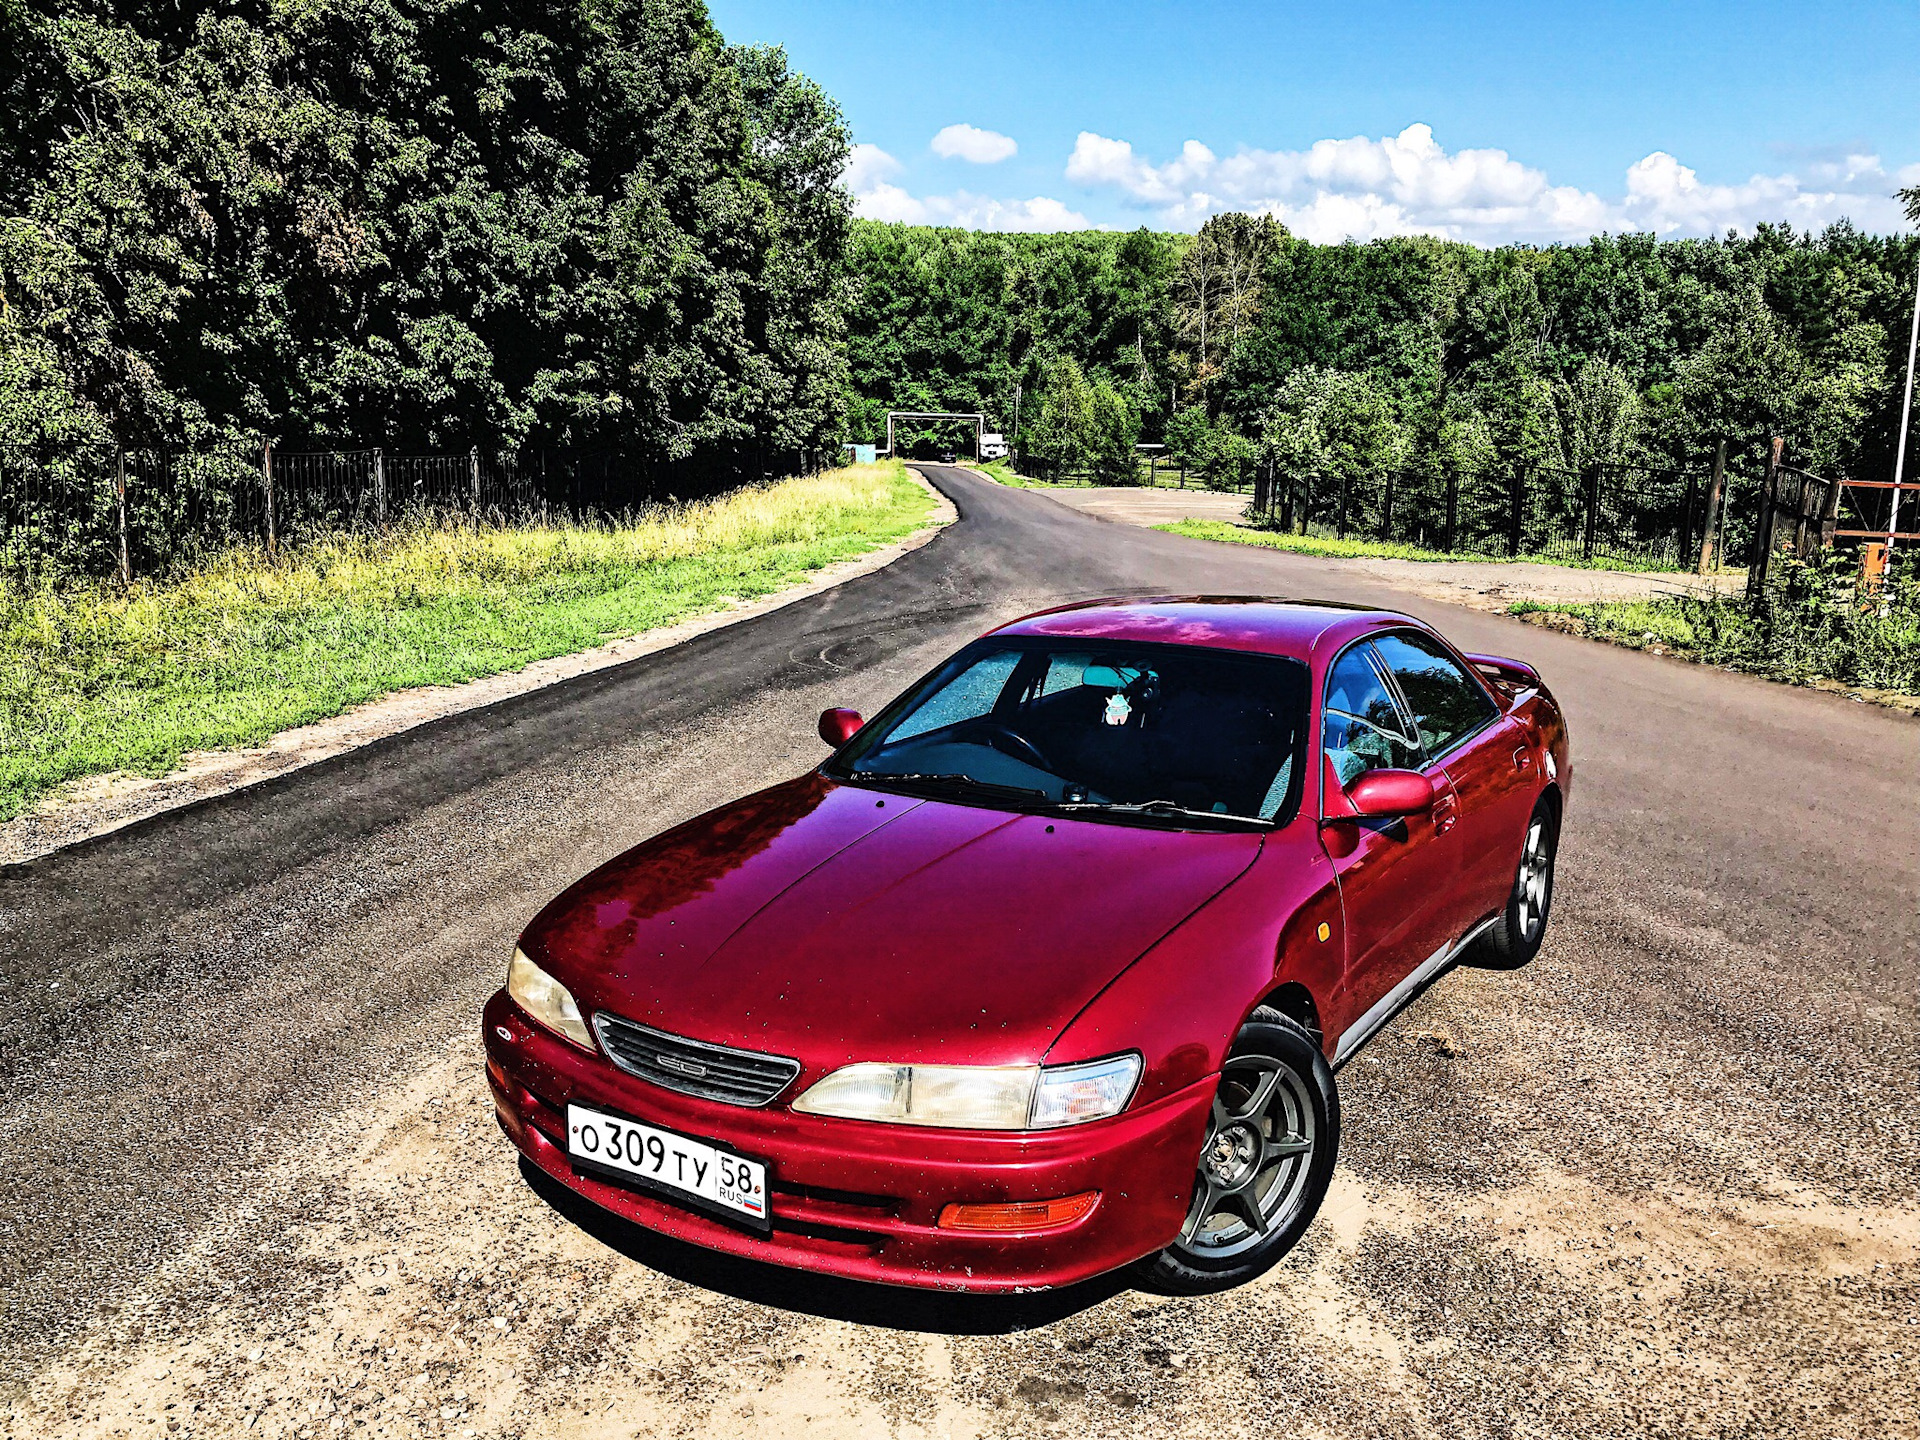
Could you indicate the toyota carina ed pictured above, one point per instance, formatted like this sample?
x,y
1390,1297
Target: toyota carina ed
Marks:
x,y
1050,968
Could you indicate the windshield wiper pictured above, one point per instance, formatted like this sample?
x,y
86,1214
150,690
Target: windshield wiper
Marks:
x,y
1159,807
951,782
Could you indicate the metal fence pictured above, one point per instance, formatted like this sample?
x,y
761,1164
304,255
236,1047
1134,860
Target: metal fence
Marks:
x,y
145,512
1631,513
1615,512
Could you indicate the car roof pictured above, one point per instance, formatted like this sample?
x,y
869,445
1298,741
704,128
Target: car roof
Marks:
x,y
1262,625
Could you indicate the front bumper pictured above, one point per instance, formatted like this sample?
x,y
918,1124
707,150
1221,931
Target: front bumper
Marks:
x,y
860,1200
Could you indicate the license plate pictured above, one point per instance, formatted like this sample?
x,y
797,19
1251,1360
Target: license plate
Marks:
x,y
696,1173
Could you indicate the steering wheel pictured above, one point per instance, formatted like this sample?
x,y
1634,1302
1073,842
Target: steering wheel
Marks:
x,y
1009,741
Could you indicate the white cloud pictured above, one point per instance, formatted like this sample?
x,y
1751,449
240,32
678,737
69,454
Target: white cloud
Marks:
x,y
967,142
867,167
1408,184
868,176
1664,195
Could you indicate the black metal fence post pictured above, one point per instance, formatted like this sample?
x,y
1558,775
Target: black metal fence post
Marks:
x,y
1686,521
1346,490
1763,536
380,486
1453,505
120,506
1517,502
1386,509
1715,507
1593,509
266,483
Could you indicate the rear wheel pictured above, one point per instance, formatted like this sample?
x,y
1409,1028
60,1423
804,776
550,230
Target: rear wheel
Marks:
x,y
1265,1163
1516,935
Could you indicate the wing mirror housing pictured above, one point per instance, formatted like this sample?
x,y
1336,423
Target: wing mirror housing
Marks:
x,y
837,726
1388,794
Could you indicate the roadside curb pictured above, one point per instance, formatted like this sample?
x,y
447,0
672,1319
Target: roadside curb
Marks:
x,y
100,804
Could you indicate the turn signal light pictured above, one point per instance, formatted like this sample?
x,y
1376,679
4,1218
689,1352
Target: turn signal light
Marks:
x,y
1022,1215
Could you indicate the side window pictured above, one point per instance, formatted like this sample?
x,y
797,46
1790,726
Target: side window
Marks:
x,y
1363,728
1447,703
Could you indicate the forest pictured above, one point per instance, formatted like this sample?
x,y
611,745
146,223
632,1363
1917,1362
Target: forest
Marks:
x,y
1243,341
564,229
417,225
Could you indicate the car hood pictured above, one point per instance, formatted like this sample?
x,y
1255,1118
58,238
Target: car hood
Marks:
x,y
834,923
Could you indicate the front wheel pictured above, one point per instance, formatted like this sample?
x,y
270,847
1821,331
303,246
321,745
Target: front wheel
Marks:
x,y
1265,1163
1517,932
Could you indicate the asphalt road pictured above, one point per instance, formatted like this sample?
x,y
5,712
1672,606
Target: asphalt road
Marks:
x,y
1661,1182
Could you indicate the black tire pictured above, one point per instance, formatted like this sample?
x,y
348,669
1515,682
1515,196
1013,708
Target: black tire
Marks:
x,y
1246,1170
1516,936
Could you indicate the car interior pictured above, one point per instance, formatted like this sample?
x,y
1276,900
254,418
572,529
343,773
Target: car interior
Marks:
x,y
1208,732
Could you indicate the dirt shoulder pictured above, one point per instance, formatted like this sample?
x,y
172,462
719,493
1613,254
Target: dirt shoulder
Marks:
x,y
100,804
1494,586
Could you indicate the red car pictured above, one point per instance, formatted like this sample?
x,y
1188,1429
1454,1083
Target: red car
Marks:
x,y
1048,970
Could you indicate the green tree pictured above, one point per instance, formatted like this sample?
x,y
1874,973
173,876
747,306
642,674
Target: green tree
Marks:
x,y
425,226
1333,426
1085,425
1595,416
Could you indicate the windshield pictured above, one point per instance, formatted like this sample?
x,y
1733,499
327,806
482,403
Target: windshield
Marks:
x,y
1176,731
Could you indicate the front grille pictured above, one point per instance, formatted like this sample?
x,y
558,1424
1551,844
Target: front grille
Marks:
x,y
692,1067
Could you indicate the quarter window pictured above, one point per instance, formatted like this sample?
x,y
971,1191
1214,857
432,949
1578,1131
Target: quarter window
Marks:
x,y
1448,704
1364,728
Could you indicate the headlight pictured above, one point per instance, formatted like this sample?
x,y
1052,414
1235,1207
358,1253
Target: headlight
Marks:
x,y
976,1097
546,999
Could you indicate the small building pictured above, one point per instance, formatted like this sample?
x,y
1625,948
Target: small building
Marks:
x,y
860,454
993,446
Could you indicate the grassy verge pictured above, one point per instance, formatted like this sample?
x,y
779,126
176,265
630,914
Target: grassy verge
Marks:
x,y
1232,534
1811,629
95,680
1001,471
1335,549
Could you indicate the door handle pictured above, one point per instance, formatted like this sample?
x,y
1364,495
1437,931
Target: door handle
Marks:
x,y
1523,759
1445,811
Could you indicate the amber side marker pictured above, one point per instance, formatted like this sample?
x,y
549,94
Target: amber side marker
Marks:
x,y
1023,1215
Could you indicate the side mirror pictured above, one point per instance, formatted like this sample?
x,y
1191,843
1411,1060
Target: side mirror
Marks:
x,y
838,726
1385,794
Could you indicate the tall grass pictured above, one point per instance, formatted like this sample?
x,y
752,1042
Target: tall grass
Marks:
x,y
95,678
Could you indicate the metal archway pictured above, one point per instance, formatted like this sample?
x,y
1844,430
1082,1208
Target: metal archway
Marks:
x,y
979,423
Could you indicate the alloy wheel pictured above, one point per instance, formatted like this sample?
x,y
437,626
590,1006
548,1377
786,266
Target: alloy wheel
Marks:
x,y
1255,1162
1531,885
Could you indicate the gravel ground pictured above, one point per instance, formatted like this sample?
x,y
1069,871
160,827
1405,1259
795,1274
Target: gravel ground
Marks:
x,y
1660,1183
1484,585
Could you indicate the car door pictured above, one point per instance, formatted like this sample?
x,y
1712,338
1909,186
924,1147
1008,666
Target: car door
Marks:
x,y
1397,878
1484,754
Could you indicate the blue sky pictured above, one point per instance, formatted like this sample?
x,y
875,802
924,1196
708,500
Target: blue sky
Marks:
x,y
1488,122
